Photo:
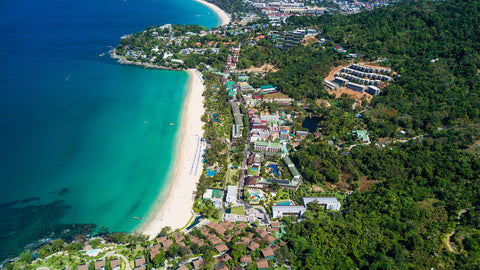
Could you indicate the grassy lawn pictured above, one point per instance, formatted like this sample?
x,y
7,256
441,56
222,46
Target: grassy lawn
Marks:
x,y
237,211
236,173
253,172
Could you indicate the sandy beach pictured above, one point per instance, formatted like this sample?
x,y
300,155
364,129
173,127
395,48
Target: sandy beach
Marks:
x,y
224,16
176,210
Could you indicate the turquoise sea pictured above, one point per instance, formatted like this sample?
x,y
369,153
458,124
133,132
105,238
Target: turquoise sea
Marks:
x,y
83,140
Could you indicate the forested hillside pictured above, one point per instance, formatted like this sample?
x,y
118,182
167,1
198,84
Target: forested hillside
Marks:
x,y
433,45
420,208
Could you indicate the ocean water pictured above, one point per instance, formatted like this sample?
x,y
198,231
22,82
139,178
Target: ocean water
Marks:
x,y
83,140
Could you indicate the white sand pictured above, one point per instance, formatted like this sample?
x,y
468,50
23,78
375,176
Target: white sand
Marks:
x,y
176,210
224,17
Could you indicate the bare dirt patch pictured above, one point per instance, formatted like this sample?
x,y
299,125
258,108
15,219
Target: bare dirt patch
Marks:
x,y
323,102
263,68
309,40
365,184
316,188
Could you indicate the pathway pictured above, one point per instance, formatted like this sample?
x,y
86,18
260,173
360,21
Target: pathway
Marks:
x,y
448,241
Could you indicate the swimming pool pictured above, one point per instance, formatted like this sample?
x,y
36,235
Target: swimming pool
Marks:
x,y
283,203
93,252
274,169
211,173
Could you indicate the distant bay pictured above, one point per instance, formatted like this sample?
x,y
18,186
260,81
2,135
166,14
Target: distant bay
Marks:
x,y
83,139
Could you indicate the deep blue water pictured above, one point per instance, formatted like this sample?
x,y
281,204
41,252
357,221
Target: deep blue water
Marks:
x,y
83,139
311,123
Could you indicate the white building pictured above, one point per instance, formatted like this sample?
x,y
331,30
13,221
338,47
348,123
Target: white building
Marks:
x,y
278,211
330,203
232,194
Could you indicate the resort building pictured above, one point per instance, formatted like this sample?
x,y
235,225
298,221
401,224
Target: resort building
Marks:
x,y
279,211
340,81
238,125
356,87
267,146
373,90
232,194
362,135
291,167
270,117
330,203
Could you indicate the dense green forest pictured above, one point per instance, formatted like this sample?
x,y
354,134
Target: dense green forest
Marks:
x,y
403,220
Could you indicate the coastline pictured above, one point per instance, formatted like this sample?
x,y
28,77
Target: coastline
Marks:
x,y
176,210
225,18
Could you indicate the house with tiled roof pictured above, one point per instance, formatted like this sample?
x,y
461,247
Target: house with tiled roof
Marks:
x,y
274,229
269,239
244,241
183,267
253,246
161,239
195,239
217,227
222,259
179,239
214,239
221,267
241,225
115,264
275,247
275,224
262,264
221,248
154,250
140,261
262,232
246,259
204,231
197,264
166,244
268,253
83,267
100,265
228,225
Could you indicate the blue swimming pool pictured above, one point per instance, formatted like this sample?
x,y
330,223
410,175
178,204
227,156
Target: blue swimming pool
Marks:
x,y
283,203
211,173
274,169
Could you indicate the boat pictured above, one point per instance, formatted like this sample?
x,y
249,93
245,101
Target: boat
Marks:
x,y
171,124
136,218
102,55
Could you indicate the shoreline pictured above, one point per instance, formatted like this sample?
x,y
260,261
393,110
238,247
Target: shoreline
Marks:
x,y
225,18
176,209
122,60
